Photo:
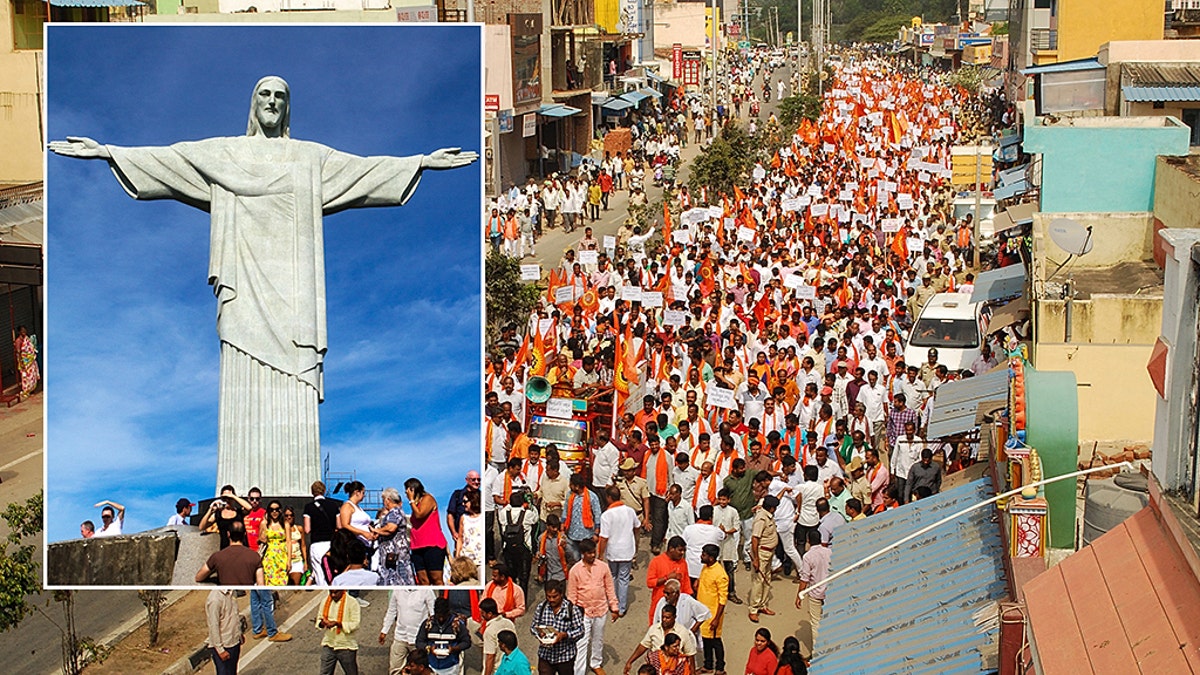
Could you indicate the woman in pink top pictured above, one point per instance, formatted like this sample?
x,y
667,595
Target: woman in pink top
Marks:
x,y
428,542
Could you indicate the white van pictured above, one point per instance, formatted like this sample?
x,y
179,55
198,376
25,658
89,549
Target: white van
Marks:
x,y
950,323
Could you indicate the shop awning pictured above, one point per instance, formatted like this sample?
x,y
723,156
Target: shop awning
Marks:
x,y
97,3
650,92
955,403
557,110
1161,82
616,104
1015,311
634,97
1064,67
999,283
913,609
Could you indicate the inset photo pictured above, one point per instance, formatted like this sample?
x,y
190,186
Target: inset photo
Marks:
x,y
265,303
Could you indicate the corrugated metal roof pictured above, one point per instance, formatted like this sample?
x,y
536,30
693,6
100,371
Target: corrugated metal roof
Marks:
x,y
1064,67
22,224
954,403
999,283
1161,82
911,610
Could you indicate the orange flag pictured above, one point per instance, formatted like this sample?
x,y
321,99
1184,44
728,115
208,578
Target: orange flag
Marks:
x,y
666,223
537,365
900,243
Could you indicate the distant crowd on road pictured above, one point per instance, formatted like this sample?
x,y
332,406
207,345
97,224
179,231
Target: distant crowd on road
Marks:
x,y
755,355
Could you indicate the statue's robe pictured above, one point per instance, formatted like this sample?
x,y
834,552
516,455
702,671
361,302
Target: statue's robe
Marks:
x,y
266,198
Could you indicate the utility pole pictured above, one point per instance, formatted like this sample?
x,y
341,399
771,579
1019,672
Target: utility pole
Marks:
x,y
712,42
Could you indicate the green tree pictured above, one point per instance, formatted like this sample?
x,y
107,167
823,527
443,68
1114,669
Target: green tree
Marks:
x,y
793,109
18,567
509,300
725,162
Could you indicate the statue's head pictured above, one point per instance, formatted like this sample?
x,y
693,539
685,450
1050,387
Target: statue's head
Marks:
x,y
270,112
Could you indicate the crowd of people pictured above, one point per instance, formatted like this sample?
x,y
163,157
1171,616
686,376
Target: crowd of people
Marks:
x,y
429,634
338,543
754,353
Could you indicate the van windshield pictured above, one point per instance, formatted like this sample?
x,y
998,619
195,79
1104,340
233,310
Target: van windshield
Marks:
x,y
948,333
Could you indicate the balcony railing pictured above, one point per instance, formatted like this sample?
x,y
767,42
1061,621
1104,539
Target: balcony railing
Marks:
x,y
1043,40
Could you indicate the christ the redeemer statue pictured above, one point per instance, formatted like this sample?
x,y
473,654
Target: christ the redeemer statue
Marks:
x,y
267,194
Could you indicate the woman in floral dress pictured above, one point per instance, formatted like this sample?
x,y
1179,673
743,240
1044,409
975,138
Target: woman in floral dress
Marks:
x,y
393,540
273,546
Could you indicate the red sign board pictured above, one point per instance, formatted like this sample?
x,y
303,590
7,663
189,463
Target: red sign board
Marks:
x,y
491,102
691,67
676,61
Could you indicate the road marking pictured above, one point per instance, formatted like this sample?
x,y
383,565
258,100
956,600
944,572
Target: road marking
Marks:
x,y
305,613
15,462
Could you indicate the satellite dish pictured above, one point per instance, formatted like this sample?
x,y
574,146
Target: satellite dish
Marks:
x,y
1071,236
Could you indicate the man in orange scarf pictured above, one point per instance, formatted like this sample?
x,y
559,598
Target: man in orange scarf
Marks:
x,y
509,597
339,618
657,472
581,517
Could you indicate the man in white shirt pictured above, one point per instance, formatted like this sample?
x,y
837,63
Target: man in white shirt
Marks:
x,y
183,510
697,535
515,397
604,462
407,609
113,520
785,513
679,512
618,543
905,453
873,397
685,476
751,394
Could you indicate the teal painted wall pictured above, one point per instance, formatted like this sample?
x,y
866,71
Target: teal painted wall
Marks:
x,y
1101,169
1052,426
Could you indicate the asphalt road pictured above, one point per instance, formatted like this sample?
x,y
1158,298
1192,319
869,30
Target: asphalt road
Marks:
x,y
34,646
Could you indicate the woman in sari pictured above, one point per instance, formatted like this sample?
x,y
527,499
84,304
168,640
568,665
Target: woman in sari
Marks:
x,y
27,350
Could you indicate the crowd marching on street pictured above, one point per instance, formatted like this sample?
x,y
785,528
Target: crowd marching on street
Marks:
x,y
752,343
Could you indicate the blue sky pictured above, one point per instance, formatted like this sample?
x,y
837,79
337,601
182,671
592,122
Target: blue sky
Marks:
x,y
131,348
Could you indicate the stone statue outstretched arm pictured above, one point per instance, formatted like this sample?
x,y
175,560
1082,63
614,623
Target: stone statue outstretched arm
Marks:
x,y
80,147
447,158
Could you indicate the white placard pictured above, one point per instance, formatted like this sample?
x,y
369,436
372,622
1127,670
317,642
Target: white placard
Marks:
x,y
846,196
562,408
852,186
674,317
889,225
679,292
531,272
904,201
814,190
631,293
758,173
792,204
923,177
589,257
716,211
793,281
728,222
652,299
946,173
806,292
843,216
819,210
827,148
681,236
745,234
564,294
719,397
544,325
610,242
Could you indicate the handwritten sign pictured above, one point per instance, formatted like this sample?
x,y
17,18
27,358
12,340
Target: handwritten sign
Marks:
x,y
792,204
674,317
564,294
652,299
806,292
793,281
758,173
631,293
589,257
681,236
745,234
904,201
531,272
562,408
610,242
719,397
679,292
819,210
890,225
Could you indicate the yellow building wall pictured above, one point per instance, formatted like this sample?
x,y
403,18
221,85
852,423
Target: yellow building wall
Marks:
x,y
1084,25
1116,397
20,143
